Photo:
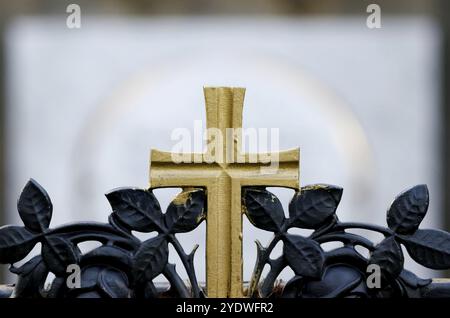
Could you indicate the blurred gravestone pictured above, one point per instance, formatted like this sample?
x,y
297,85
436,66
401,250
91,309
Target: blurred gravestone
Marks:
x,y
85,106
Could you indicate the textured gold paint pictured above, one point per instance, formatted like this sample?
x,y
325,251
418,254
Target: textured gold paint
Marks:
x,y
223,182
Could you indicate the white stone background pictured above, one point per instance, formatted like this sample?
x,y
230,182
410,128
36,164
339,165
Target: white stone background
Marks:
x,y
85,106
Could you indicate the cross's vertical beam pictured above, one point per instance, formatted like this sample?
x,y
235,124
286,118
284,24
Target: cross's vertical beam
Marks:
x,y
224,107
223,110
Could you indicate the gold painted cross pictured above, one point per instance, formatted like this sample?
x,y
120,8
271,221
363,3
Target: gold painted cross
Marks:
x,y
223,173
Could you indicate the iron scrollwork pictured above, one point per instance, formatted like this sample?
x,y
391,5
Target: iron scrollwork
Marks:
x,y
123,266
342,272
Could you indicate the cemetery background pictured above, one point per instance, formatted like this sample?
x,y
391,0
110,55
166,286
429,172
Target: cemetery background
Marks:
x,y
82,108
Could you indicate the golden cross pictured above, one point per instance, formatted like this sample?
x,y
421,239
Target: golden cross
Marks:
x,y
223,170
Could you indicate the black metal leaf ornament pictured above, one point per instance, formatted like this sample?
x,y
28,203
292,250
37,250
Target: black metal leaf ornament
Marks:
x,y
338,281
32,273
58,253
35,207
102,282
150,259
408,210
389,256
124,266
430,248
138,209
15,243
263,209
186,211
114,283
303,255
314,205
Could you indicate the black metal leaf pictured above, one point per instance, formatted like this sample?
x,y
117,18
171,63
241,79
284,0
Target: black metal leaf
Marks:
x,y
150,259
114,283
303,255
31,279
26,268
412,280
89,276
111,255
35,207
430,248
58,253
314,205
186,211
263,209
389,256
15,243
136,208
413,286
408,210
338,280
